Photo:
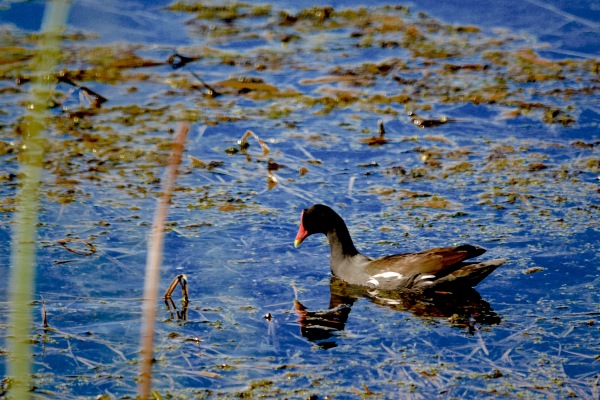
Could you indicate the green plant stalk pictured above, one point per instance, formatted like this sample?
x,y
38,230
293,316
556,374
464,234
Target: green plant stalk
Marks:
x,y
31,159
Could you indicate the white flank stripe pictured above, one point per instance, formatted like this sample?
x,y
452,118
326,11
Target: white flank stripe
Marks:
x,y
373,281
388,274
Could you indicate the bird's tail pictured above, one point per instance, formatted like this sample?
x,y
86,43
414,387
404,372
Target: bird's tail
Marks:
x,y
471,274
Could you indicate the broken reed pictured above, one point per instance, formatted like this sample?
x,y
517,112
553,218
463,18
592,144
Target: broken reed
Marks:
x,y
153,262
31,162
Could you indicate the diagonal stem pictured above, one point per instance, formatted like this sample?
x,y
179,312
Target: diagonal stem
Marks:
x,y
153,262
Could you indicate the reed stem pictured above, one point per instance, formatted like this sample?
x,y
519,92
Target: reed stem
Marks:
x,y
153,262
31,164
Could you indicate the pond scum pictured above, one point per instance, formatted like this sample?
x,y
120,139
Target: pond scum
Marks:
x,y
308,88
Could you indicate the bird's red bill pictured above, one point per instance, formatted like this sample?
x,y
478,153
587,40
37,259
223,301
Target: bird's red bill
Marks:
x,y
302,233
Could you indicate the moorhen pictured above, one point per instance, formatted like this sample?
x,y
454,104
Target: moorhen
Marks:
x,y
430,269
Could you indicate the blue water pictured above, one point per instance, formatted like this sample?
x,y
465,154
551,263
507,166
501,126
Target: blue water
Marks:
x,y
241,264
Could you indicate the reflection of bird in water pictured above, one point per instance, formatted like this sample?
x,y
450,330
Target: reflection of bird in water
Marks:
x,y
463,308
436,282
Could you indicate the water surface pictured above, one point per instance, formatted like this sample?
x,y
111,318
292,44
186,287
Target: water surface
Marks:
x,y
509,161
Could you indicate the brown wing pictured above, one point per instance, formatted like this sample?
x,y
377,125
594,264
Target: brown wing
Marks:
x,y
426,262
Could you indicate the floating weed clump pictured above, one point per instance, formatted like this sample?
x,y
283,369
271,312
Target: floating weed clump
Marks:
x,y
226,13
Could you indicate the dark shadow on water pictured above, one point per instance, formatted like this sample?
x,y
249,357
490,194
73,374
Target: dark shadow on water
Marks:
x,y
464,309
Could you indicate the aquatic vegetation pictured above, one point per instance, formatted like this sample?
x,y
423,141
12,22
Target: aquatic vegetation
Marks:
x,y
420,131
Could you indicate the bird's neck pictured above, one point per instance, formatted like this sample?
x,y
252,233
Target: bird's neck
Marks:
x,y
341,245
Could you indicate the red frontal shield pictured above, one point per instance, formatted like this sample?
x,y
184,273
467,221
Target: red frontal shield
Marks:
x,y
302,233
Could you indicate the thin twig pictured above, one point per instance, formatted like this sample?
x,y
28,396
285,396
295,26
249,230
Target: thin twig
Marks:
x,y
44,315
243,142
171,288
90,248
184,287
178,280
